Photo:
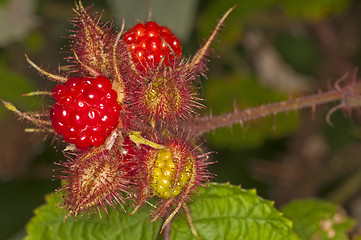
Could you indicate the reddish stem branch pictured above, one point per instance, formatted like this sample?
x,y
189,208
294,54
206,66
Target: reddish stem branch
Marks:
x,y
203,125
167,230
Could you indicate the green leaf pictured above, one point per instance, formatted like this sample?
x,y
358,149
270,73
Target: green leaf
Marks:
x,y
223,211
220,211
316,219
48,224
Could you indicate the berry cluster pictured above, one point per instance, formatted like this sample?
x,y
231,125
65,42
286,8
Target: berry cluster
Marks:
x,y
121,113
86,110
151,44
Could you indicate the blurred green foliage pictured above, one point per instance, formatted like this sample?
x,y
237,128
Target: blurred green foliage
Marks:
x,y
226,93
311,11
316,219
3,2
12,86
300,52
263,12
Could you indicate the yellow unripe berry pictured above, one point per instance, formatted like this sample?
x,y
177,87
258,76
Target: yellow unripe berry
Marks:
x,y
163,183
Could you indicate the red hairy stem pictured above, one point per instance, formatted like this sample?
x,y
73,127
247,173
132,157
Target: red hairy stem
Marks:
x,y
345,95
167,231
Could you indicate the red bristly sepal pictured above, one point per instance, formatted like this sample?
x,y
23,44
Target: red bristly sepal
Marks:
x,y
95,179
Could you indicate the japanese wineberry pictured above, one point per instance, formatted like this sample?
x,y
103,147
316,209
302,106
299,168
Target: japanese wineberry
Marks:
x,y
86,110
151,44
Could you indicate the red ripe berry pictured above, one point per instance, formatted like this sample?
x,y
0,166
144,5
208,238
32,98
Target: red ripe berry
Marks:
x,y
150,44
86,111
